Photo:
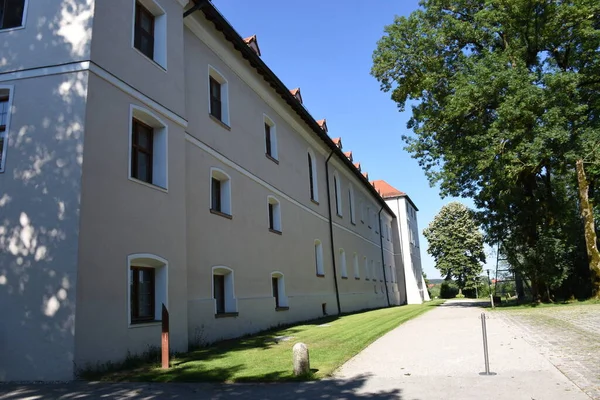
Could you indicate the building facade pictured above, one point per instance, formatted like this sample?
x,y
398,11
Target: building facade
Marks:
x,y
150,157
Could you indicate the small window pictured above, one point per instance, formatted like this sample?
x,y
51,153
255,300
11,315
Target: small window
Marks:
x,y
148,152
356,267
4,122
144,31
351,203
343,268
274,211
218,96
270,139
312,176
278,288
362,212
319,258
223,293
338,194
12,13
220,192
150,31
367,272
369,217
141,151
147,288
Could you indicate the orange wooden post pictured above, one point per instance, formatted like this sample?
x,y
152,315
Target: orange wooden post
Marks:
x,y
165,337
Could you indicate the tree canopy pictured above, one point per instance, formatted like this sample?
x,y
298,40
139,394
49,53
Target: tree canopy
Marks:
x,y
456,244
505,98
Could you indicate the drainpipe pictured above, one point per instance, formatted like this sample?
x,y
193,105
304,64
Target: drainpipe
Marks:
x,y
337,291
402,250
387,293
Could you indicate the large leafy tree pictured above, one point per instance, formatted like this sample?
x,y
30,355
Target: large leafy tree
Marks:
x,y
505,97
456,244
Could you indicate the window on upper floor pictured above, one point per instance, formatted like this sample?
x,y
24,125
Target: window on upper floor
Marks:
x,y
274,211
220,192
319,258
147,287
270,140
5,107
367,272
278,288
351,204
356,267
12,13
362,212
148,149
369,217
312,176
218,96
338,194
150,31
223,292
343,267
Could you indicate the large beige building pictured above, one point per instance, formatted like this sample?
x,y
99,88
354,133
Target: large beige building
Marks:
x,y
149,157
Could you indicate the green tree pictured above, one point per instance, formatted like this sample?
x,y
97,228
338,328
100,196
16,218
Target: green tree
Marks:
x,y
505,97
456,244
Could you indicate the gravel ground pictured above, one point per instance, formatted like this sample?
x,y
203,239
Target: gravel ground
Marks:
x,y
569,337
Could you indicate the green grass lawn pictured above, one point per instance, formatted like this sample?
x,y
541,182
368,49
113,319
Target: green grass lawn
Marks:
x,y
513,305
331,342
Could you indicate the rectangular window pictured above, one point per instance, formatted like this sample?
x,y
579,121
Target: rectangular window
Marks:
x,y
271,216
142,294
268,139
216,195
11,13
215,99
141,151
3,122
144,31
219,289
275,283
310,177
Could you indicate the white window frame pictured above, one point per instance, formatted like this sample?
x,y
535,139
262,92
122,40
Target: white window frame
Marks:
x,y
11,90
160,147
283,299
219,77
160,33
225,179
231,304
273,129
276,214
356,266
315,180
343,266
319,258
161,284
352,204
338,194
23,19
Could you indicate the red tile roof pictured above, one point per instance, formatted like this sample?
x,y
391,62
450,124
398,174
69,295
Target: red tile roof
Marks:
x,y
348,154
323,124
296,94
386,189
337,141
357,165
252,42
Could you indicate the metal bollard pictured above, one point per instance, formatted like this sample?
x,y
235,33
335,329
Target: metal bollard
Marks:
x,y
485,347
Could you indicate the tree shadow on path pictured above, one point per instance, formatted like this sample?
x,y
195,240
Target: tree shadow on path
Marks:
x,y
325,389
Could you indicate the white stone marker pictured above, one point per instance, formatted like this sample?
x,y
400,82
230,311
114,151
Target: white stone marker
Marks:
x,y
300,358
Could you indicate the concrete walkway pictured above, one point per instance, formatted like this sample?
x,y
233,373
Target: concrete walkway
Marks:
x,y
436,356
440,356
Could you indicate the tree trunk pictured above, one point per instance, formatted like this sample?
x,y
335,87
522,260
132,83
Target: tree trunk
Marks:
x,y
519,286
587,214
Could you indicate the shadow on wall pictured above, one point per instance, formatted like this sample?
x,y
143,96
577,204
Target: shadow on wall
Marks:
x,y
325,389
40,196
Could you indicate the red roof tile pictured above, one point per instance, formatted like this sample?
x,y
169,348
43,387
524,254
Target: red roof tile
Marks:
x,y
386,189
357,165
296,94
337,141
252,42
323,124
348,154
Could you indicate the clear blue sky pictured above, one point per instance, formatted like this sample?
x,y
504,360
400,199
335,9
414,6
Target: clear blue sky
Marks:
x,y
325,47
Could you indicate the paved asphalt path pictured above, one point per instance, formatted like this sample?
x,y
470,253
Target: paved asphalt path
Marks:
x,y
436,356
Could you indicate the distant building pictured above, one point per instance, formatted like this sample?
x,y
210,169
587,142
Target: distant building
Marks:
x,y
406,212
